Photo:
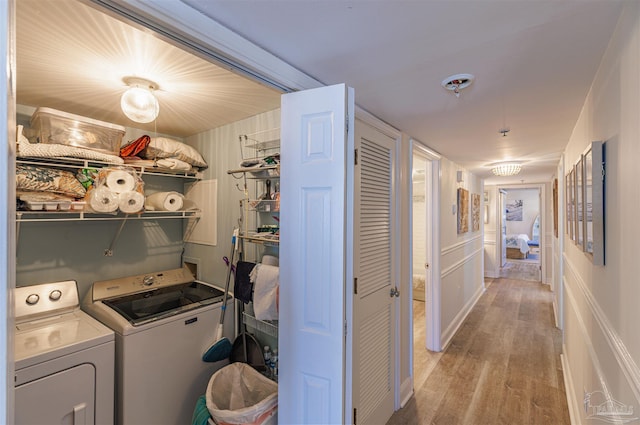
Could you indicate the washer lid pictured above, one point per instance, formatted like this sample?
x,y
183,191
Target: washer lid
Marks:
x,y
156,304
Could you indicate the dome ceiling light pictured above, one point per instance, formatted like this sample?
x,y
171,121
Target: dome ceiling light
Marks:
x,y
458,82
139,103
503,169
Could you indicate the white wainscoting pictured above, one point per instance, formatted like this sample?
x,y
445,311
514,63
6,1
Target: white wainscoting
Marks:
x,y
596,357
455,324
462,283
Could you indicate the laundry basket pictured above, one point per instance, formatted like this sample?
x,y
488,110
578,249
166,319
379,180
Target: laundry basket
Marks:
x,y
238,394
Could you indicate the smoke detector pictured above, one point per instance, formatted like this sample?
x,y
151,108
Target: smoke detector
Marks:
x,y
457,82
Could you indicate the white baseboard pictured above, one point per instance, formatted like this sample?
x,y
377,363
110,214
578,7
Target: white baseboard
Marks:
x,y
555,313
451,330
406,391
572,403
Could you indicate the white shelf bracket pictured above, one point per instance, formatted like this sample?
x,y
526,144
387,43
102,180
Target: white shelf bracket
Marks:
x,y
109,251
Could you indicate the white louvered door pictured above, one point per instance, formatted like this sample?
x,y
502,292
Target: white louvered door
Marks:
x,y
374,304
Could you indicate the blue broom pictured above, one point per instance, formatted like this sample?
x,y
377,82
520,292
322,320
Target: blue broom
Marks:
x,y
221,349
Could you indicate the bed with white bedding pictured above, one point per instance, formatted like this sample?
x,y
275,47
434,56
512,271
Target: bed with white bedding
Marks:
x,y
517,246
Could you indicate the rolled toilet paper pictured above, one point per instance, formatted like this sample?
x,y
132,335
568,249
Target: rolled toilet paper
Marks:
x,y
131,202
119,181
103,200
165,201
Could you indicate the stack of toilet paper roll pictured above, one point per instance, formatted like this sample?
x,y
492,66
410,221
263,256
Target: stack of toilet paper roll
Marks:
x,y
117,188
164,201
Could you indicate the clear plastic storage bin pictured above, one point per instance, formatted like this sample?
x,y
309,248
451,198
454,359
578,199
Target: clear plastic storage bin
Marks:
x,y
57,127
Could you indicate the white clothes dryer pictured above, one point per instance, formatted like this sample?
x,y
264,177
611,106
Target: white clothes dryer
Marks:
x,y
64,359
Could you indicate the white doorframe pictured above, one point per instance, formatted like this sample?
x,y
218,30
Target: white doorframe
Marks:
x,y
7,216
432,289
558,288
543,222
501,226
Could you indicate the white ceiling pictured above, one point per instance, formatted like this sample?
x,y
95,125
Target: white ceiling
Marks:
x,y
533,62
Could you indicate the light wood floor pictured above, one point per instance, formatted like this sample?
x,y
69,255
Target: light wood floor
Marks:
x,y
502,366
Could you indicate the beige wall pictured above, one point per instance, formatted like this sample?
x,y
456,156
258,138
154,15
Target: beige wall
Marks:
x,y
461,259
601,303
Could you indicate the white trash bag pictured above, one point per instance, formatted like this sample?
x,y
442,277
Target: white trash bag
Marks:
x,y
239,394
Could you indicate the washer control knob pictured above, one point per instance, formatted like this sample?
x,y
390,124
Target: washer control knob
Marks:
x,y
55,295
147,280
33,299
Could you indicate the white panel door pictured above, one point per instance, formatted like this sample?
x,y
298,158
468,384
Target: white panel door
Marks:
x,y
375,288
315,242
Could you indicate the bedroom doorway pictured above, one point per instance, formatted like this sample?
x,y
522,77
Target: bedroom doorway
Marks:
x,y
522,233
425,298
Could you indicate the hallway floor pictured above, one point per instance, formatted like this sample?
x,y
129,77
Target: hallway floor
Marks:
x,y
502,366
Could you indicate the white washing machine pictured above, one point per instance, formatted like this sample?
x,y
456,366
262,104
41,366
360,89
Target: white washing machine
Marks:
x,y
64,359
164,322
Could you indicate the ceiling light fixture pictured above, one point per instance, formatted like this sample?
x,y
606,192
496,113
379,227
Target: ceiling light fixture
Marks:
x,y
138,102
457,82
506,168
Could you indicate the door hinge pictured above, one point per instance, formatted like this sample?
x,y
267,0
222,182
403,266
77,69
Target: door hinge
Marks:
x,y
347,122
345,329
354,415
355,157
355,286
603,171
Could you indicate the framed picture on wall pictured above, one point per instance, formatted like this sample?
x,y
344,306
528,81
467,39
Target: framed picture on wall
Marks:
x,y
475,212
463,210
570,205
555,208
594,169
579,203
515,208
588,201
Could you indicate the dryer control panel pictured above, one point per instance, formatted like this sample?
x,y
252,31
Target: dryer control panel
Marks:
x,y
44,299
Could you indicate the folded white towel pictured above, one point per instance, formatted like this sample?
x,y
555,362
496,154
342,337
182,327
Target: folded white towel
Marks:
x,y
266,280
174,164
